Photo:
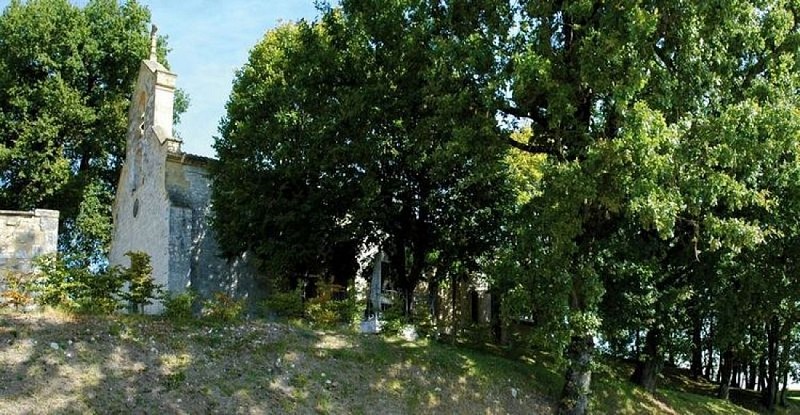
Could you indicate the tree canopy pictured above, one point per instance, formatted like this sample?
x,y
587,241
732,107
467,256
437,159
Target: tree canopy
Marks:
x,y
661,208
66,75
667,126
360,127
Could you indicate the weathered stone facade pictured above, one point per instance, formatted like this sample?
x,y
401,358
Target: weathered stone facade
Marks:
x,y
26,235
162,205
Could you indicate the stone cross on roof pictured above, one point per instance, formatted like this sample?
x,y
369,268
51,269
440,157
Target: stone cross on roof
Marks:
x,y
153,44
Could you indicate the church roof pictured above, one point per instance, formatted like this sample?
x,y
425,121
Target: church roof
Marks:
x,y
190,159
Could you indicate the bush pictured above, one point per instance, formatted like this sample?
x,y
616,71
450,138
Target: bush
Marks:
x,y
57,286
179,306
326,311
223,308
16,289
100,291
79,289
393,319
286,304
142,288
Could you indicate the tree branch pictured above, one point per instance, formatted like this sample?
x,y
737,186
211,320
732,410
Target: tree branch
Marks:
x,y
540,120
533,148
761,65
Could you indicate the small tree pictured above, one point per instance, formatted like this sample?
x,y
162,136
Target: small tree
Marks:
x,y
15,289
56,285
142,288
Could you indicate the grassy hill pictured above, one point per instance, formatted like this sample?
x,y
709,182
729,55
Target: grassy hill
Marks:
x,y
57,363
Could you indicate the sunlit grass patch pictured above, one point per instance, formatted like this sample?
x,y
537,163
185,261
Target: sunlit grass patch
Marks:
x,y
122,362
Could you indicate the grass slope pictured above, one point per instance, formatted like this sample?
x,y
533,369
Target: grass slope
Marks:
x,y
56,363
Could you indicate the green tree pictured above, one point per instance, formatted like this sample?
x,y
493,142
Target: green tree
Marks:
x,y
142,288
365,124
66,74
669,131
640,107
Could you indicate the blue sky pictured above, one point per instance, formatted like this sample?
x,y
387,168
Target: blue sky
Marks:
x,y
210,39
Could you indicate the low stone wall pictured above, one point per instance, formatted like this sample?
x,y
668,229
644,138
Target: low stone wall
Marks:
x,y
26,235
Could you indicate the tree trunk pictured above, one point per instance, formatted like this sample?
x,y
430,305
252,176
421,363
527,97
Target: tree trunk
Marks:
x,y
454,306
785,347
762,372
649,366
497,321
433,301
752,370
397,259
726,366
408,301
743,378
710,356
413,279
785,387
769,392
697,344
575,395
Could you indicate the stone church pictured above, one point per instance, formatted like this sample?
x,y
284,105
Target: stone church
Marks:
x,y
162,205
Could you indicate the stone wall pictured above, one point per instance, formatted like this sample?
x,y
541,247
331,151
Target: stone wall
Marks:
x,y
195,257
26,235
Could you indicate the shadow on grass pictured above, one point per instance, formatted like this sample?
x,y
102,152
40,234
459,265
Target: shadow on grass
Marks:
x,y
678,393
132,364
53,363
425,376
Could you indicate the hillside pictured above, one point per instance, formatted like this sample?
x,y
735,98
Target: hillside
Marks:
x,y
56,363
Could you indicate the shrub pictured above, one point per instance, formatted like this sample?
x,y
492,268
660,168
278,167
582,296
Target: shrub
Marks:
x,y
223,308
179,306
327,311
56,285
393,319
80,289
76,289
142,288
99,291
286,304
16,289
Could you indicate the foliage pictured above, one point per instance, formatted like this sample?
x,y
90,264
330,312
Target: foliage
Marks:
x,y
56,286
100,292
178,307
361,125
142,288
93,291
16,289
66,75
661,196
77,289
663,158
325,310
180,105
223,308
393,319
286,303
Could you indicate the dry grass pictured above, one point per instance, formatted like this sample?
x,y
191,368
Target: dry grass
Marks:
x,y
143,365
58,363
